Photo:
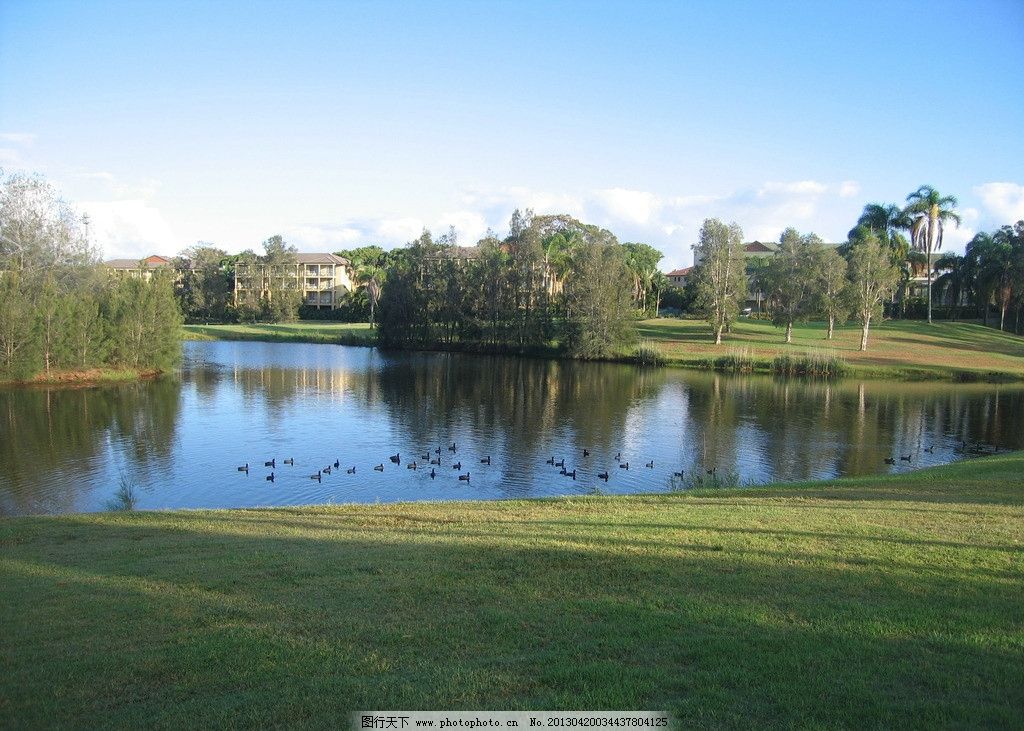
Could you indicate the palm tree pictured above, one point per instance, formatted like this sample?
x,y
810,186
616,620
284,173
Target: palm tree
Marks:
x,y
931,212
885,220
957,279
371,278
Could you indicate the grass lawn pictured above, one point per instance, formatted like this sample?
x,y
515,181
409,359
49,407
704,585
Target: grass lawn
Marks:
x,y
340,333
897,348
875,602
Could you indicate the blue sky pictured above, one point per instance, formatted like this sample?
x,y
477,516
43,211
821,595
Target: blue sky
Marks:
x,y
339,124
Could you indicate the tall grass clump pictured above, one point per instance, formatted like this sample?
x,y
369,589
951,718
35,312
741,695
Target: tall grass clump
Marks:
x,y
647,353
739,360
817,364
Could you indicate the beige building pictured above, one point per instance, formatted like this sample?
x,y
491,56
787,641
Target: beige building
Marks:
x,y
323,279
140,268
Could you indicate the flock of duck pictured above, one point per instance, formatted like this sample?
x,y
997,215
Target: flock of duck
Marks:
x,y
433,460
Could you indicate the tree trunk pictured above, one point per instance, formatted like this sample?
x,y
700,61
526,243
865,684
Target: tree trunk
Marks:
x,y
789,331
929,283
1002,315
831,326
718,335
864,334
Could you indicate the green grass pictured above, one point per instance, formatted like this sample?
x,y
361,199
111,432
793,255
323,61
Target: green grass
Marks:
x,y
873,602
339,333
906,349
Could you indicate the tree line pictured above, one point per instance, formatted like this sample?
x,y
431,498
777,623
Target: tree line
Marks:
x,y
552,282
60,309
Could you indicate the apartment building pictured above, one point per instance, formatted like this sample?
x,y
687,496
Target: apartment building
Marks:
x,y
140,268
324,279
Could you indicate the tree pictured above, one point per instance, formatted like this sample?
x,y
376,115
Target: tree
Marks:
x,y
956,282
599,292
931,212
886,221
831,296
39,230
873,278
281,284
720,278
17,341
370,278
204,285
790,279
642,260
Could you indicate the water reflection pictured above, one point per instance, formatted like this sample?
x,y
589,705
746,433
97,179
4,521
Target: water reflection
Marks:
x,y
179,440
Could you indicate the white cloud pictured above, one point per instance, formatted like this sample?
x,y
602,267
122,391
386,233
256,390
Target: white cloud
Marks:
x,y
18,138
1005,201
634,206
130,229
849,188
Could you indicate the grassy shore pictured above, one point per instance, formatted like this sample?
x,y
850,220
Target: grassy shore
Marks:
x,y
873,602
903,349
337,333
907,349
86,377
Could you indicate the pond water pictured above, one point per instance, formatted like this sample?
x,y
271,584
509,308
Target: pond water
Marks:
x,y
178,441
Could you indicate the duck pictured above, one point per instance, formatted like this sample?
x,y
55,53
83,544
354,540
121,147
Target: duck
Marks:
x,y
486,460
271,463
930,449
337,464
436,461
326,470
244,468
432,473
425,457
650,465
396,458
624,466
569,474
380,467
712,470
316,476
270,477
618,456
290,460
906,458
890,460
452,448
603,475
586,452
677,474
457,466
560,463
464,478
351,470
437,451
550,461
411,466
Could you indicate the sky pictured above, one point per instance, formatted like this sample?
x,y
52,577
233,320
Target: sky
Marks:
x,y
342,124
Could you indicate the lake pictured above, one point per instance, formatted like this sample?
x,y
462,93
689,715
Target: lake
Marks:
x,y
179,440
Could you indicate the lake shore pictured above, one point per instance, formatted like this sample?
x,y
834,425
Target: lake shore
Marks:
x,y
841,603
84,377
899,349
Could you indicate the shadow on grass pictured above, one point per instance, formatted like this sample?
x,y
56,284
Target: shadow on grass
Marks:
x,y
168,619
